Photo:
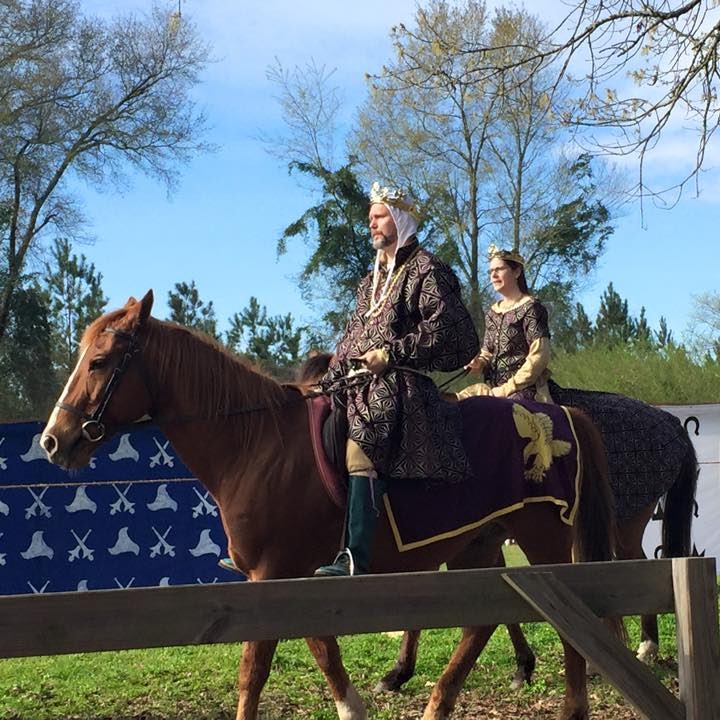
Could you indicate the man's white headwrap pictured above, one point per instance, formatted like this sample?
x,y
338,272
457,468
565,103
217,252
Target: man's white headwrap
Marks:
x,y
405,216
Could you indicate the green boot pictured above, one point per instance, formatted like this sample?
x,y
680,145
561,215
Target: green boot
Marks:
x,y
363,503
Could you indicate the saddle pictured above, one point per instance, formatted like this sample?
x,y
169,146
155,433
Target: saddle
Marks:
x,y
540,463
328,431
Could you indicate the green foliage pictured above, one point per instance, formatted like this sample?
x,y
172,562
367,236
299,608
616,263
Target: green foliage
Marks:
x,y
706,323
613,325
29,384
47,315
186,308
336,230
272,342
570,325
664,334
484,151
669,376
91,97
74,297
569,238
621,353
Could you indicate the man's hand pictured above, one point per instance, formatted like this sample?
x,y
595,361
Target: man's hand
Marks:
x,y
376,361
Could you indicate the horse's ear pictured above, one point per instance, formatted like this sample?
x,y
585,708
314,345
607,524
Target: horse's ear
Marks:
x,y
130,301
146,306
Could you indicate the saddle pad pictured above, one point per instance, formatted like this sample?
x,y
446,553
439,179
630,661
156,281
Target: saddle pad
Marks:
x,y
520,452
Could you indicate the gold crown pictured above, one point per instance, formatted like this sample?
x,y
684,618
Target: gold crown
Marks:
x,y
396,197
495,252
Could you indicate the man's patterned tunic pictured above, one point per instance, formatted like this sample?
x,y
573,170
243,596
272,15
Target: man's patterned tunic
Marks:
x,y
398,419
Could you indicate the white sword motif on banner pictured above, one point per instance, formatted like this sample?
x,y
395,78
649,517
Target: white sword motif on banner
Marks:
x,y
38,505
81,547
162,544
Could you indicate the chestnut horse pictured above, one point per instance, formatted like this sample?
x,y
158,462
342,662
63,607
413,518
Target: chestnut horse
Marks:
x,y
675,458
246,438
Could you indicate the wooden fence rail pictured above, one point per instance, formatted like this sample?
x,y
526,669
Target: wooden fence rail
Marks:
x,y
60,623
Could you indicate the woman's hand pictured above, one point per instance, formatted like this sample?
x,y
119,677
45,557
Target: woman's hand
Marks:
x,y
476,365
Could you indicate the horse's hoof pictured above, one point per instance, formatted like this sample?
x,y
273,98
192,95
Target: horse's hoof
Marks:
x,y
578,713
351,707
647,652
522,676
385,685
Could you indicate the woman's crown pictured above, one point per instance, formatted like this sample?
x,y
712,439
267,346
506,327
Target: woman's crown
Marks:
x,y
495,252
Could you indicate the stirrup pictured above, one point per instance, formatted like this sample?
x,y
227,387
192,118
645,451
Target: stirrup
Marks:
x,y
342,566
226,563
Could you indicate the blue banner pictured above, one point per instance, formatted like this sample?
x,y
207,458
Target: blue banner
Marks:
x,y
134,517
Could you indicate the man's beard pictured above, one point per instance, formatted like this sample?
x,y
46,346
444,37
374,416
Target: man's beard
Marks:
x,y
382,242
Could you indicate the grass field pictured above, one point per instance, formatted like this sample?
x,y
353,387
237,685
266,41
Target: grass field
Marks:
x,y
199,682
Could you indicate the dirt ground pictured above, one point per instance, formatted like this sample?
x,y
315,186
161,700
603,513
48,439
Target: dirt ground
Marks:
x,y
479,706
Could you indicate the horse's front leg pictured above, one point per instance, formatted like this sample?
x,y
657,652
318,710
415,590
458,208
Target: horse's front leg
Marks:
x,y
252,676
576,699
447,688
326,652
404,667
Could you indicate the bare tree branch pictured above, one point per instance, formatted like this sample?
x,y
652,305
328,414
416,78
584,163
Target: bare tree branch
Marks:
x,y
92,97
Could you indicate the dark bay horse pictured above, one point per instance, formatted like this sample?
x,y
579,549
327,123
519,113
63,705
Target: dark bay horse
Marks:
x,y
676,507
645,467
246,438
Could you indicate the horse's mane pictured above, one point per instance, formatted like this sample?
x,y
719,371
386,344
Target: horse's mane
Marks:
x,y
213,380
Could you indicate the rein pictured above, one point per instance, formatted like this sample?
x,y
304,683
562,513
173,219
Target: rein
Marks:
x,y
457,376
93,427
362,378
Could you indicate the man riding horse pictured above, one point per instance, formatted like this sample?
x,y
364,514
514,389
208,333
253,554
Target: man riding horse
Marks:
x,y
409,320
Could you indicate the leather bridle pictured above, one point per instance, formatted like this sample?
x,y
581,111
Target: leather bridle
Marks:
x,y
93,429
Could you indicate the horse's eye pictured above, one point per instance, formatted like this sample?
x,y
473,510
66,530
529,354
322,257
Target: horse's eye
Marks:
x,y
98,363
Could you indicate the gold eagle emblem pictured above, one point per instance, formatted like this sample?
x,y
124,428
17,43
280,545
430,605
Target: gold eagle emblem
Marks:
x,y
538,429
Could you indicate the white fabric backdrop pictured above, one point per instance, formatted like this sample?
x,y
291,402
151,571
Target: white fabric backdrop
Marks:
x,y
706,526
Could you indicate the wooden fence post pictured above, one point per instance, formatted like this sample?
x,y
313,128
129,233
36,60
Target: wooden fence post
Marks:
x,y
698,640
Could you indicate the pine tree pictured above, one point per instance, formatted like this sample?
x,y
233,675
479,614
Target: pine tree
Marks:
x,y
583,327
273,342
663,335
75,298
613,325
642,333
186,308
29,385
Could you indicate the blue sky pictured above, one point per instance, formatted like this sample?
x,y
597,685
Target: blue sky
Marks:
x,y
221,226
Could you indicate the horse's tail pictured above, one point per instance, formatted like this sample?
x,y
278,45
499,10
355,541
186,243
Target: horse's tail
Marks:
x,y
314,367
595,531
595,535
679,506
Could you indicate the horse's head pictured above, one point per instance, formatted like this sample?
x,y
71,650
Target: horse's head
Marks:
x,y
91,407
